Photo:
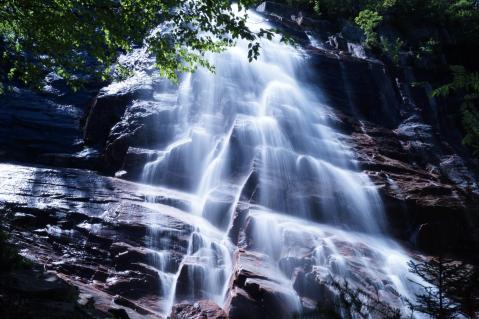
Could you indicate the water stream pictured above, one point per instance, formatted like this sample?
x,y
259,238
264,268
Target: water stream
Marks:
x,y
261,133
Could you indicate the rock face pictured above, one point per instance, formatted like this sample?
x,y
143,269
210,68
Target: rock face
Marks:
x,y
403,139
255,293
97,234
128,115
420,191
128,246
419,165
46,127
92,231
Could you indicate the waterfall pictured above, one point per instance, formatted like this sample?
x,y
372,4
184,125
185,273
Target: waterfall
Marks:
x,y
261,133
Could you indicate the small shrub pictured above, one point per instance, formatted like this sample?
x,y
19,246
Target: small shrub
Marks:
x,y
368,20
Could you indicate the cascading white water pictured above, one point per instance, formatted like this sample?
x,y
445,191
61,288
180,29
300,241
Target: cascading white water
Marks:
x,y
260,132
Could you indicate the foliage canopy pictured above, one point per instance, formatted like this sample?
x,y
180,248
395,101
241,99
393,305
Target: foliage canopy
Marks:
x,y
74,37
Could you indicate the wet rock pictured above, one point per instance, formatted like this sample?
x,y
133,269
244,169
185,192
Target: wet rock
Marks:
x,y
406,166
313,285
289,264
130,304
349,85
238,223
108,107
337,42
203,309
93,231
133,284
218,206
129,257
124,254
254,294
191,283
82,271
456,170
87,158
357,50
135,160
35,124
144,124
